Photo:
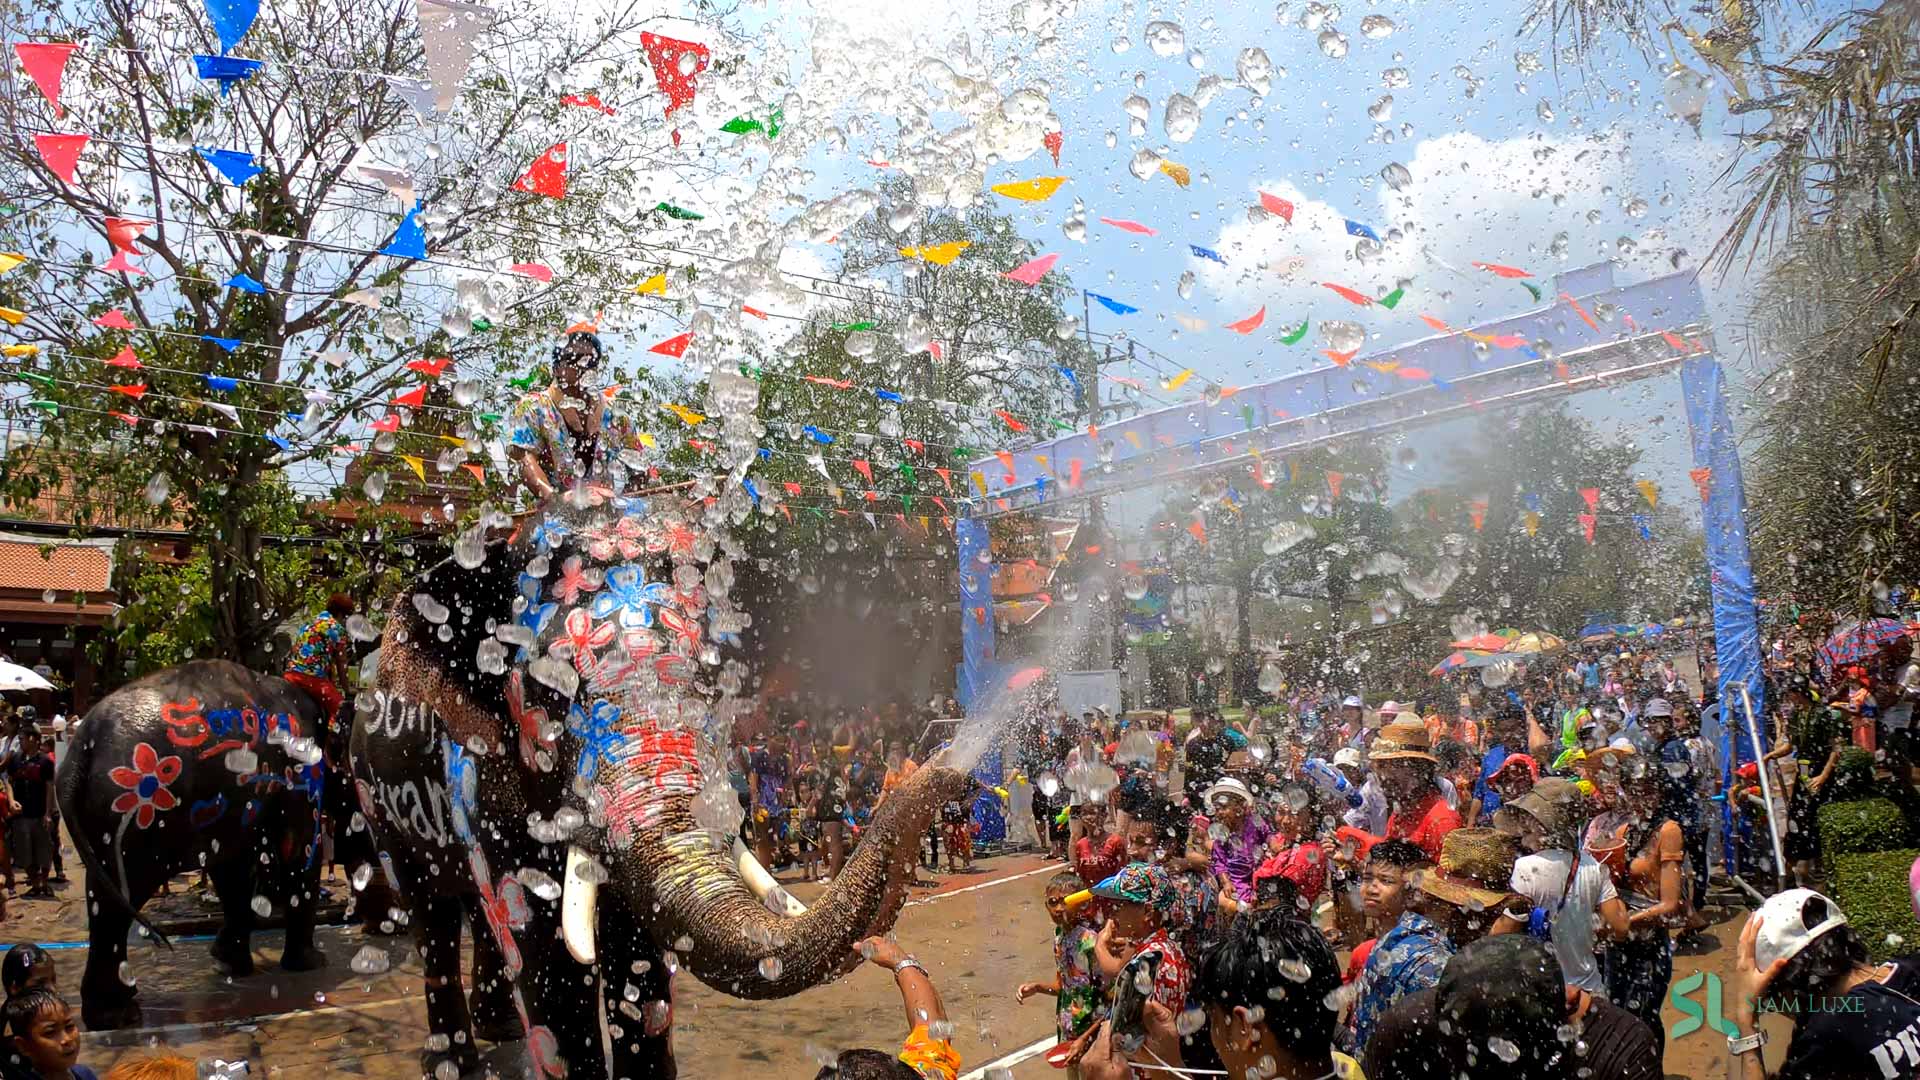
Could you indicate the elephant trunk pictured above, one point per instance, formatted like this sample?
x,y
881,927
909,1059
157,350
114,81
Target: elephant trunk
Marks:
x,y
732,941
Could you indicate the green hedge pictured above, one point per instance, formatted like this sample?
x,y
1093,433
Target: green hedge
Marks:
x,y
1853,778
1872,889
1864,825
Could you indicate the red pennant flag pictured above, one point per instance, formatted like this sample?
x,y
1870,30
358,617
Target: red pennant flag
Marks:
x,y
792,488
1478,512
136,391
1008,419
479,474
433,368
1340,359
121,263
872,496
755,312
1674,340
1334,480
130,419
1702,480
915,445
864,468
1502,271
540,272
837,384
61,153
412,399
590,101
122,232
389,422
113,320
1053,141
1437,324
674,346
1199,531
665,54
1349,294
1274,204
1006,459
547,175
938,352
46,63
1073,473
1249,324
1586,525
946,476
125,358
1592,497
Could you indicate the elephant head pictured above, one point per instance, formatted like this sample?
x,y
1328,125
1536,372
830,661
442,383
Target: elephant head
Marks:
x,y
585,664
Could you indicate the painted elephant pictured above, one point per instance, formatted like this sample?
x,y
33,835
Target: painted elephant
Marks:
x,y
541,755
203,765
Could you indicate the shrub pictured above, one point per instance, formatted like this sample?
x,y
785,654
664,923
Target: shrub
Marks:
x,y
1852,777
1849,828
1872,889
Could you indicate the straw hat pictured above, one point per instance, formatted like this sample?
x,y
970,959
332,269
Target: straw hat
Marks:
x,y
1475,870
1402,740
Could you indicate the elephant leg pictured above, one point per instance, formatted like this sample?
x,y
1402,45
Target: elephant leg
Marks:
x,y
303,904
561,995
636,992
489,987
233,945
106,999
436,933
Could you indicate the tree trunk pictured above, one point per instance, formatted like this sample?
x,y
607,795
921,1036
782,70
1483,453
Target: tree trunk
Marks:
x,y
242,610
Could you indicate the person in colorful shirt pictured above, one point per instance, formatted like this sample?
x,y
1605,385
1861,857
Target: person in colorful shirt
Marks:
x,y
318,662
569,433
1409,773
1076,985
1236,855
768,770
1140,897
927,1053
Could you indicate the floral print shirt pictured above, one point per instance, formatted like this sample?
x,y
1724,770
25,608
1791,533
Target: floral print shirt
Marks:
x,y
1406,960
1196,909
319,644
1079,996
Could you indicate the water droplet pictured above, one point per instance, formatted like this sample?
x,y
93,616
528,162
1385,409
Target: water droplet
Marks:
x,y
1396,175
1182,118
370,960
1254,70
1503,1049
1377,26
262,906
1166,39
1395,78
1333,43
1544,110
157,489
1381,111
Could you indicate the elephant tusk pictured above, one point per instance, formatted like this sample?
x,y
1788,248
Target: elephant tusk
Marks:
x,y
762,885
578,899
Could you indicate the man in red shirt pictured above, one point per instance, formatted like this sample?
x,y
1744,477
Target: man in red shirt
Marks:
x,y
1408,775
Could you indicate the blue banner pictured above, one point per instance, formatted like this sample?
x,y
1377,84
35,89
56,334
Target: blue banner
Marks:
x,y
976,610
1736,624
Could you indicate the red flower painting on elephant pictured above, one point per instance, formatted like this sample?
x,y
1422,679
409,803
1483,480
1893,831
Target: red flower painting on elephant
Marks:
x,y
146,784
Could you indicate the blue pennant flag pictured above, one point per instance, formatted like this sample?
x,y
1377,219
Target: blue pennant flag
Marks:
x,y
766,454
297,417
280,442
225,70
1354,228
245,284
409,240
227,344
1112,305
1071,378
232,19
747,482
236,165
816,435
1645,524
1532,501
1040,486
885,394
222,383
1207,253
1442,384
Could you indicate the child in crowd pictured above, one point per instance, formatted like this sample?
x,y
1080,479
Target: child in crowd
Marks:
x,y
45,1038
1139,897
956,827
1097,854
1076,986
27,967
1386,891
807,795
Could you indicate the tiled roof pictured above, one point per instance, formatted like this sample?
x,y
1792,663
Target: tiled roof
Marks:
x,y
67,568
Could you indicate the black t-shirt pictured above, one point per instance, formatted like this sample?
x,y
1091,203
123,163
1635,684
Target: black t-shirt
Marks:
x,y
1617,1045
1206,762
30,777
1871,1032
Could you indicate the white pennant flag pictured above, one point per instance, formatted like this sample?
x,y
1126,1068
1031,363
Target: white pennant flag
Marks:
x,y
448,28
417,93
225,410
398,182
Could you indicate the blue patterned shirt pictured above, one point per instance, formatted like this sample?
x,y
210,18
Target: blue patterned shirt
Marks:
x,y
1406,960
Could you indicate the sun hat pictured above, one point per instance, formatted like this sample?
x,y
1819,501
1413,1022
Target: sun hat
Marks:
x,y
1402,740
1138,883
1551,803
1657,707
1226,786
1475,869
1350,755
1783,933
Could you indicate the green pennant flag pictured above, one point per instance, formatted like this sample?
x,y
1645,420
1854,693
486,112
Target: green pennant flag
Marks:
x,y
679,212
524,382
1392,299
816,512
491,417
963,452
1246,413
45,406
481,326
1293,337
906,502
848,328
742,124
751,371
1062,425
906,470
35,377
1532,288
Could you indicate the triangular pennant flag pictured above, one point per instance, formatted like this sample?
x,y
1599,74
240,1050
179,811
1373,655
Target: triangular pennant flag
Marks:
x,y
1392,299
1591,495
136,391
1586,526
588,100
938,254
1207,253
1532,522
1477,511
417,464
864,468
1053,141
1702,481
946,476
124,358
653,286
671,72
410,238
412,399
547,175
1112,305
432,368
387,423
246,283
418,94
540,272
1294,336
1645,524
675,346
236,165
1249,324
447,29
1352,295
46,64
113,320
1277,206
61,153
1199,530
1129,226
479,473
1354,228
1649,491
1502,271
1334,480
225,384
225,70
232,19
1038,189
1013,423
227,344
1177,381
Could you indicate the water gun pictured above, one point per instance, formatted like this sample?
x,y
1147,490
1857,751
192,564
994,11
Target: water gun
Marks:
x,y
1075,900
1331,781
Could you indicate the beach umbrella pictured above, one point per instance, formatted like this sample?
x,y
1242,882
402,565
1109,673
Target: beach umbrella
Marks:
x,y
15,677
1537,641
1483,642
1856,640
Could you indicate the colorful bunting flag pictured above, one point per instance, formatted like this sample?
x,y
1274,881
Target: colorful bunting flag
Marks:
x,y
247,284
540,272
1355,228
1293,337
547,175
125,358
1532,523
1113,305
1392,299
409,238
1274,204
227,70
447,30
1129,226
227,344
61,153
937,254
1013,424
1351,295
1207,253
46,64
231,20
1477,513
1177,172
412,399
1502,271
1644,523
588,100
678,213
1249,324
1587,522
1177,381
1334,480
236,165
1039,189
1031,271
675,346
1650,491
1702,481
1053,141
674,77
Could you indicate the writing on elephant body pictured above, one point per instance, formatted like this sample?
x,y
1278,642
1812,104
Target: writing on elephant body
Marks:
x,y
396,717
190,726
403,807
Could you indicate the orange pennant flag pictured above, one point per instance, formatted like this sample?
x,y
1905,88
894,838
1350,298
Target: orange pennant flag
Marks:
x,y
1334,480
1199,531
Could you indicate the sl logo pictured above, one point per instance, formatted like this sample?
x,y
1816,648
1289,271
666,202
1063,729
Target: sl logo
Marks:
x,y
1693,1019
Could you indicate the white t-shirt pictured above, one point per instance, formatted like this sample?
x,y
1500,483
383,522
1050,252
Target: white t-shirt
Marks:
x,y
1542,879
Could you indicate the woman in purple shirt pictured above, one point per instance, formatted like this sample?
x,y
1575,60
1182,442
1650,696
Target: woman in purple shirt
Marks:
x,y
1236,854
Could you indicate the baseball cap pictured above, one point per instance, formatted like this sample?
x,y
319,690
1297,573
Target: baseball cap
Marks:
x,y
1352,701
1227,786
1783,929
1349,755
1658,707
1138,883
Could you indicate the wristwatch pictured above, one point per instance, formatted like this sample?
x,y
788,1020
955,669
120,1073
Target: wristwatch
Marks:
x,y
910,962
1746,1044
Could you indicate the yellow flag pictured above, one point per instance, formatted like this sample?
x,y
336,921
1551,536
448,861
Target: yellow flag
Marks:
x,y
1178,381
1042,459
418,465
12,316
1383,366
688,415
1134,438
653,286
979,481
17,351
1533,523
454,439
10,259
1178,172
1039,189
1648,489
938,254
646,440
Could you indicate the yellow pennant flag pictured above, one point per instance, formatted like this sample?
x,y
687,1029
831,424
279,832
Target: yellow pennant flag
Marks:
x,y
12,316
418,465
688,415
1383,366
1039,189
653,286
979,481
1648,489
1178,381
1042,459
646,440
938,254
454,439
17,351
1134,438
1178,172
10,259
1533,523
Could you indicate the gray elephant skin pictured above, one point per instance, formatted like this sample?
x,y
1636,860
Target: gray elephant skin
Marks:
x,y
205,765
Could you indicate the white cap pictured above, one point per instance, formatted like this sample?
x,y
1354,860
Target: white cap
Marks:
x,y
1658,707
1352,701
1782,932
1348,755
1228,786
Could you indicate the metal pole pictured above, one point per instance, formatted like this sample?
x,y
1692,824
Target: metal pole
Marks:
x,y
1766,790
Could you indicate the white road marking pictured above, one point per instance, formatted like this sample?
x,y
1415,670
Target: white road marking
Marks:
x,y
986,885
1010,1060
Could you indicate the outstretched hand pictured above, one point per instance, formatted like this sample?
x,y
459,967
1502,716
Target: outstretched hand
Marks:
x,y
880,951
